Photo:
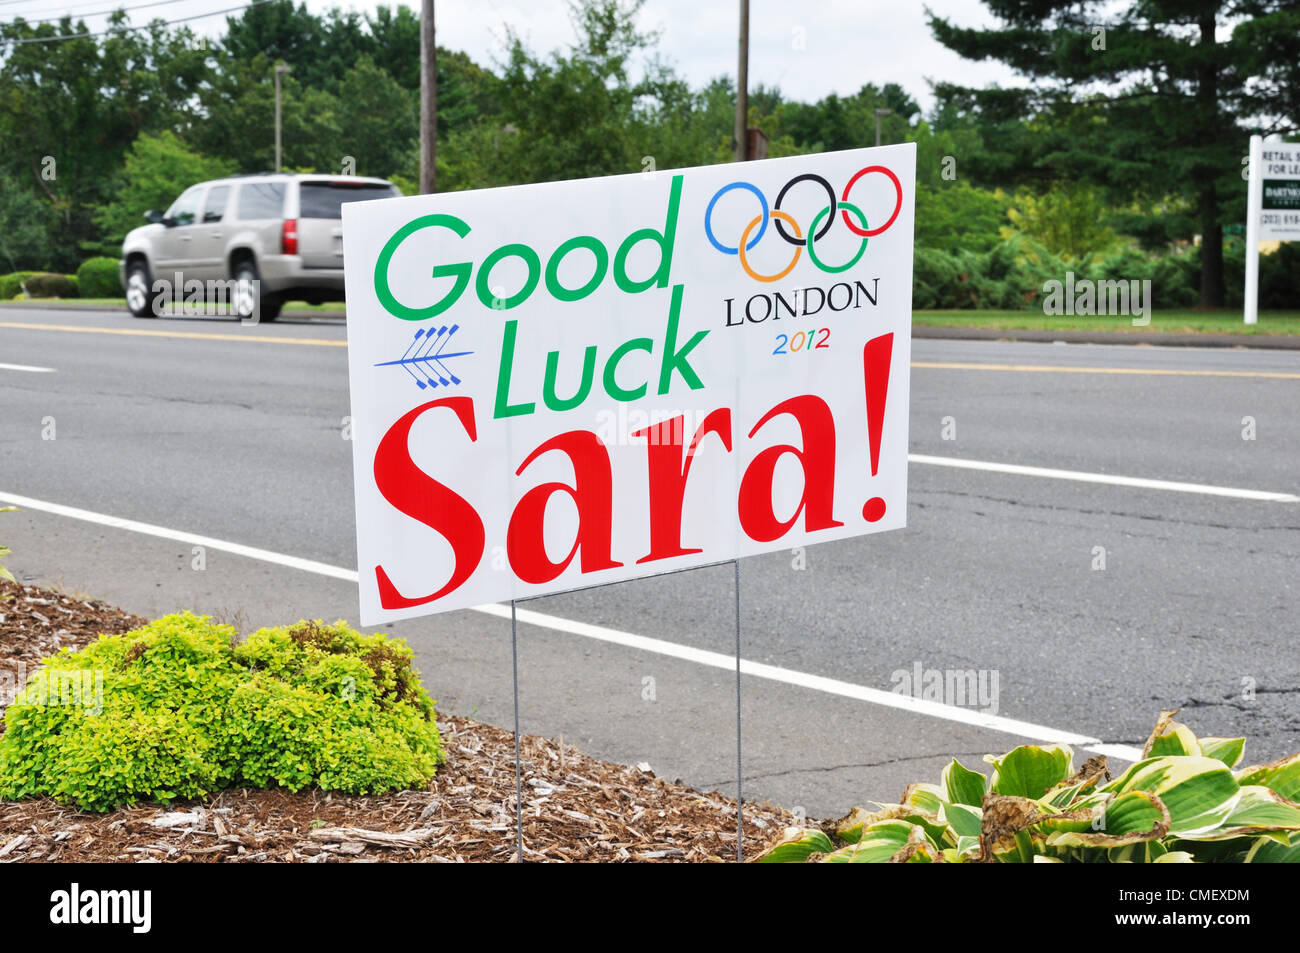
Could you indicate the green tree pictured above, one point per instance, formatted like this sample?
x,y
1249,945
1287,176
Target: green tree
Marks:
x,y
1165,84
240,121
28,227
1068,222
378,119
69,109
157,169
849,122
574,115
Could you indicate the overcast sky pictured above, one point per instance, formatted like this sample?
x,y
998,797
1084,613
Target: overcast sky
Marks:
x,y
808,48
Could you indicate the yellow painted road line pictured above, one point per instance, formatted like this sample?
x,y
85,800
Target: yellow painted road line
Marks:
x,y
197,335
929,365
1060,369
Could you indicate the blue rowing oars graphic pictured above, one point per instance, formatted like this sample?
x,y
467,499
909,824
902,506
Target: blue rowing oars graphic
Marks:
x,y
426,354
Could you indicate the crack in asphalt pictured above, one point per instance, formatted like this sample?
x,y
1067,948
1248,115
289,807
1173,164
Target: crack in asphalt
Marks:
x,y
841,767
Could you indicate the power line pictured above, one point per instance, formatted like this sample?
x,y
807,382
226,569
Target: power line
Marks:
x,y
46,7
121,29
98,13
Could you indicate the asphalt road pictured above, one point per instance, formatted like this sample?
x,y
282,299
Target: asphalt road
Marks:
x,y
235,433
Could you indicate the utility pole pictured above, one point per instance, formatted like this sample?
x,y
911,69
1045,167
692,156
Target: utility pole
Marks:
x,y
428,100
742,87
880,113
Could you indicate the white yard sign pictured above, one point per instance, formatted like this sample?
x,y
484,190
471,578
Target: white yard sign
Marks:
x,y
575,383
1279,191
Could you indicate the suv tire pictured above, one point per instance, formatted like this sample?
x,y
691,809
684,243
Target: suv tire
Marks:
x,y
247,301
139,290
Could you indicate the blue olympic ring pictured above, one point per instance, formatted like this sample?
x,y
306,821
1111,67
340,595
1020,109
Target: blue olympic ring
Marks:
x,y
708,216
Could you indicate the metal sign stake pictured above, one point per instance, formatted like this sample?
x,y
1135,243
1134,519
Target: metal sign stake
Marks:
x,y
740,829
519,777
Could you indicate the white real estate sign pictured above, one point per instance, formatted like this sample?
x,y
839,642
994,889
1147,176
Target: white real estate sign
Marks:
x,y
1279,174
576,383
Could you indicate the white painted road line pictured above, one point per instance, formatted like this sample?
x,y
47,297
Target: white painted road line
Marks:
x,y
829,686
193,539
1106,478
26,367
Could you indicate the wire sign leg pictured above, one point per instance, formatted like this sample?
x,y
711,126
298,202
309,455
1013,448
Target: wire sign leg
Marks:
x,y
740,829
519,777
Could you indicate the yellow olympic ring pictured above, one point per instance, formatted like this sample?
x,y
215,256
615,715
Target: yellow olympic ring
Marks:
x,y
789,220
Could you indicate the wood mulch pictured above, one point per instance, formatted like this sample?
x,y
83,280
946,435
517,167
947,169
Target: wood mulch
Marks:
x,y
575,807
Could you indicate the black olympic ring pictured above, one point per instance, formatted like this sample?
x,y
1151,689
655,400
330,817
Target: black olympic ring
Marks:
x,y
830,219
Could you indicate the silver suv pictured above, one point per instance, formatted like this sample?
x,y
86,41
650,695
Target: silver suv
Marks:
x,y
256,240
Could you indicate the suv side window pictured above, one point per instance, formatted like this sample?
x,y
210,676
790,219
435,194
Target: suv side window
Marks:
x,y
215,206
185,209
261,200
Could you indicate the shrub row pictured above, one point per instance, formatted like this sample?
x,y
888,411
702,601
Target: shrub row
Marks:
x,y
1011,276
96,278
38,285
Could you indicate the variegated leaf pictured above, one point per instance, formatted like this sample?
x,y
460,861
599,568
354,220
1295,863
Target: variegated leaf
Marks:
x,y
1030,770
1282,776
795,846
1131,818
1198,792
1258,811
962,785
882,842
1227,750
1170,737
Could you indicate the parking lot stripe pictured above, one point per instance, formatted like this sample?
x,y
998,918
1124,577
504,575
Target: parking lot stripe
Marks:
x,y
26,367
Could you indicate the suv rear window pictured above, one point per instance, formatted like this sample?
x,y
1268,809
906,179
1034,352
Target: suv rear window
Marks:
x,y
261,200
325,199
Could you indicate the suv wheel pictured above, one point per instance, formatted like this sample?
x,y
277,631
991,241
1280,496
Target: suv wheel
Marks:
x,y
249,299
139,293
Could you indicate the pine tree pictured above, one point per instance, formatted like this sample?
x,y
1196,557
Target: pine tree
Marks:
x,y
1155,98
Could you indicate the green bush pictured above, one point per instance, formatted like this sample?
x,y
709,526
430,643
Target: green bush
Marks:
x,y
1279,275
1184,801
1011,274
12,284
1008,276
177,709
98,278
47,285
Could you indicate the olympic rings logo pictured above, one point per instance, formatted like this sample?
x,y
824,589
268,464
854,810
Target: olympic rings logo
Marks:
x,y
821,223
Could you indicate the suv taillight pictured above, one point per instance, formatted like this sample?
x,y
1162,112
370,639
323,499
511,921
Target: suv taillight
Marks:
x,y
289,237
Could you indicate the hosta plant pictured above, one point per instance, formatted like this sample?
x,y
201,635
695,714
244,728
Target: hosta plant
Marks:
x,y
1184,801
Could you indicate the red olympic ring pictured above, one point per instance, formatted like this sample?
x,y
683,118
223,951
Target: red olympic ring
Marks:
x,y
898,205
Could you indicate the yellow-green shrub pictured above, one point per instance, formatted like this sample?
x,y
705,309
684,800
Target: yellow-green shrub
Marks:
x,y
177,709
